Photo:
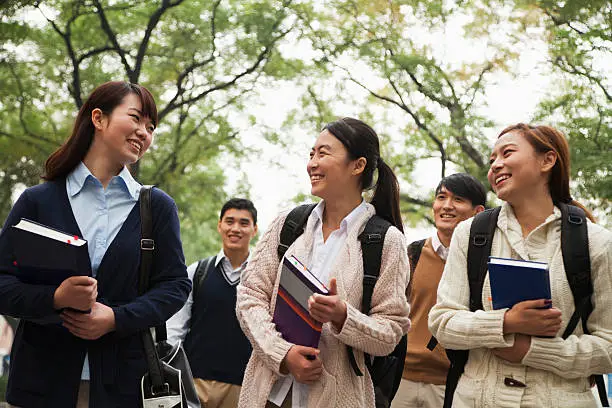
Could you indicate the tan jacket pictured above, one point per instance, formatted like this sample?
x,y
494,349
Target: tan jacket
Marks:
x,y
555,371
376,334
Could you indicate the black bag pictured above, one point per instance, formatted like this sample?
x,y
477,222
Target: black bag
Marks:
x,y
168,382
385,371
576,260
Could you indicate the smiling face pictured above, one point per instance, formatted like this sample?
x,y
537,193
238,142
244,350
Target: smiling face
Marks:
x,y
332,173
125,134
236,228
450,209
516,170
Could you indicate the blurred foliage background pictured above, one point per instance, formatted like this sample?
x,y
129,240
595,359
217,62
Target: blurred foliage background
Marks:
x,y
208,63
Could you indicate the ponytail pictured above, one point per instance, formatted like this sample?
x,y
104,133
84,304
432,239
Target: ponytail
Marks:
x,y
386,195
360,140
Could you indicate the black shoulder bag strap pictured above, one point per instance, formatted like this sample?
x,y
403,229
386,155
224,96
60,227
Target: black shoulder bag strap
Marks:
x,y
372,241
479,248
293,227
202,270
577,264
147,246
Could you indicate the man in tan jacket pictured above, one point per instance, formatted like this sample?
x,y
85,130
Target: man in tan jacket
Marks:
x,y
458,197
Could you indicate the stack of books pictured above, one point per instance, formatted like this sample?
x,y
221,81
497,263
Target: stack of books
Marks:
x,y
291,314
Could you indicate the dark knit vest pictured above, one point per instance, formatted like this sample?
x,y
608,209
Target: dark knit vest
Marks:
x,y
215,345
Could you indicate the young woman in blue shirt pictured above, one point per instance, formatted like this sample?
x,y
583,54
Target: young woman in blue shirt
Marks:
x,y
93,359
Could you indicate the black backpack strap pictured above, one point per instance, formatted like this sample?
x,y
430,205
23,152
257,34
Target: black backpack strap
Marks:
x,y
372,241
479,248
293,227
202,270
577,264
414,253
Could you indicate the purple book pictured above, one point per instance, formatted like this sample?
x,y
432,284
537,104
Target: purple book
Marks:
x,y
291,314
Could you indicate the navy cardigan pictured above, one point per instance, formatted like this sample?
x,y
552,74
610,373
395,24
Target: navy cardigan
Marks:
x,y
46,360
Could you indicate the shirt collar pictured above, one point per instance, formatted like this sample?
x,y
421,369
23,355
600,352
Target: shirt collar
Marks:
x,y
347,221
77,178
438,246
221,256
132,185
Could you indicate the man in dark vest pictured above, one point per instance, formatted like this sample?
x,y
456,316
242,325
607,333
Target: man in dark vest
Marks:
x,y
217,349
458,197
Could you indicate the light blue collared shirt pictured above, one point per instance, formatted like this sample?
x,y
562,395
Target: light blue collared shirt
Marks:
x,y
100,213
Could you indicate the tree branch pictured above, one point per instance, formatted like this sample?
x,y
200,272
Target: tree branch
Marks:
x,y
420,87
113,38
95,51
180,144
20,139
22,107
75,89
172,105
317,102
406,109
566,66
417,201
142,49
476,86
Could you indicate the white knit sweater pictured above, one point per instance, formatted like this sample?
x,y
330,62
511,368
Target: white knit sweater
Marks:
x,y
555,371
376,334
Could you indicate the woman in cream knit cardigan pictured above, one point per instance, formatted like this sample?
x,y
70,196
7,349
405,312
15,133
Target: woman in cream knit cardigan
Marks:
x,y
341,166
530,173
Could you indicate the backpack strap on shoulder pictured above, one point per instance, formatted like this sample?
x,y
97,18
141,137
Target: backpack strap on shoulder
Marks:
x,y
293,227
372,241
479,248
202,270
414,253
577,264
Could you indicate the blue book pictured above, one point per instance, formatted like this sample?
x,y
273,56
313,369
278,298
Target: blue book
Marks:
x,y
513,281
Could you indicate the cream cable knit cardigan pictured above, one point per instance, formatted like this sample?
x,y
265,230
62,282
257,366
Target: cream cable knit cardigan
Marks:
x,y
376,334
555,371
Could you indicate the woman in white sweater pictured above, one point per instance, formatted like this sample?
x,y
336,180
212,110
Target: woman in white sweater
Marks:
x,y
342,164
511,363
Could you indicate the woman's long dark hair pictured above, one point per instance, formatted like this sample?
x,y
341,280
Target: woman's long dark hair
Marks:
x,y
360,140
105,97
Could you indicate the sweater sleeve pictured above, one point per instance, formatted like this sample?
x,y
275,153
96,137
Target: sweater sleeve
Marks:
x,y
581,355
379,332
254,294
26,301
169,284
450,320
